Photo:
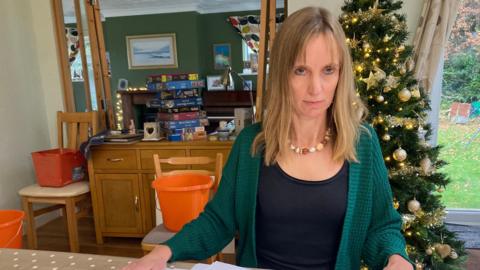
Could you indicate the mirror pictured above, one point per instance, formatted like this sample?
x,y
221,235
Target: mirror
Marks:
x,y
199,28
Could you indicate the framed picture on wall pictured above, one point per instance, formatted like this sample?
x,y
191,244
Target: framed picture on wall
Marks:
x,y
214,83
122,84
221,56
152,51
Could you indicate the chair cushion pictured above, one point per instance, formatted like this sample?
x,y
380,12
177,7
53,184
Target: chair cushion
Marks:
x,y
75,189
157,235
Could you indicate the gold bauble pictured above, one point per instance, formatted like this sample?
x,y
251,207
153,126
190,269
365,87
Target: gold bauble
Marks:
x,y
407,220
429,251
380,119
419,266
409,125
443,250
387,158
400,154
396,204
380,99
401,164
404,95
453,254
354,19
413,205
386,137
364,268
426,165
408,233
415,93
387,89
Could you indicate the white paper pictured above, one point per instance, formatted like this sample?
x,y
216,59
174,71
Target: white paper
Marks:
x,y
216,266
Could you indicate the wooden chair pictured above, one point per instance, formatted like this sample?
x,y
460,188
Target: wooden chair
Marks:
x,y
80,126
160,234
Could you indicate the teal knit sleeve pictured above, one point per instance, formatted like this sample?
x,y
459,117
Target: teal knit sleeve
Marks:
x,y
384,237
215,227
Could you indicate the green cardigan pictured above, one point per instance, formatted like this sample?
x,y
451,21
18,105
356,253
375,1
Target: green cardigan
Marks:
x,y
371,229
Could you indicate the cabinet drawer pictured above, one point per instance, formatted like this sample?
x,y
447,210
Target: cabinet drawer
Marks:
x,y
212,153
115,159
146,158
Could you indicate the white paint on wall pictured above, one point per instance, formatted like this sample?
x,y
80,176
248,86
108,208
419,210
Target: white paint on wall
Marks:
x,y
29,92
411,8
46,52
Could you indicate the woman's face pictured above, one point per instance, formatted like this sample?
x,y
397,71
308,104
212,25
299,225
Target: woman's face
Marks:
x,y
314,77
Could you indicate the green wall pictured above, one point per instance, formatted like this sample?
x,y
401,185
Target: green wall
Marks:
x,y
195,35
182,24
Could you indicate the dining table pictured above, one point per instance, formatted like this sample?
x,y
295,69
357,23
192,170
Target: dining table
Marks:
x,y
16,259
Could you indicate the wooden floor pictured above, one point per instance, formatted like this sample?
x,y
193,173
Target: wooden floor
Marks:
x,y
53,236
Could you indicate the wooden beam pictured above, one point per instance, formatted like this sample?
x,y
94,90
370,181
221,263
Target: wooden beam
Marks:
x,y
272,24
104,65
62,54
97,69
264,13
47,209
86,84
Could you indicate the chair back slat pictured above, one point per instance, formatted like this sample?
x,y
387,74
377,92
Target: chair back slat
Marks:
x,y
83,132
72,135
79,127
217,172
187,160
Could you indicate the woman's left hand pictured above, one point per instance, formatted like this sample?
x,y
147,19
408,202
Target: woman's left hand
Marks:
x,y
397,262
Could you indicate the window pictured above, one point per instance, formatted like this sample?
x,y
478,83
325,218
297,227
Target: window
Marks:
x,y
459,119
250,59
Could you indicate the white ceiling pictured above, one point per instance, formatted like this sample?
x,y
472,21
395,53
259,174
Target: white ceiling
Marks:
x,y
117,8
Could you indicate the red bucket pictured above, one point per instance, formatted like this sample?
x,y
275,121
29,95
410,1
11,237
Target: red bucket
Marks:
x,y
54,168
182,198
11,222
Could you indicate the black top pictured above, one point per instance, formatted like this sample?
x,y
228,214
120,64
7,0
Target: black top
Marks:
x,y
299,223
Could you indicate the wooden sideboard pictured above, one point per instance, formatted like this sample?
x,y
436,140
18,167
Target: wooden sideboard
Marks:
x,y
120,182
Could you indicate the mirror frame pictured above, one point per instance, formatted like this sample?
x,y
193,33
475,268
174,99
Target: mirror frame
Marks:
x,y
99,62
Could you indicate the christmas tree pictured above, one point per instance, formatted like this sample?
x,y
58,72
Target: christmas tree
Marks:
x,y
398,107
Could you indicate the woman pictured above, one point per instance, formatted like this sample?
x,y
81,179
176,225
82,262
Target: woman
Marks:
x,y
307,188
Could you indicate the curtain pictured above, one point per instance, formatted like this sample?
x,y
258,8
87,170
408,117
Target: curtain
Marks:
x,y
73,43
249,28
438,17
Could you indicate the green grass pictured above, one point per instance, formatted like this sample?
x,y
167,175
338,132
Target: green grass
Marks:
x,y
464,163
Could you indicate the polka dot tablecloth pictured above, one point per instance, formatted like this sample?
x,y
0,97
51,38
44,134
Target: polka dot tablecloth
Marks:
x,y
52,260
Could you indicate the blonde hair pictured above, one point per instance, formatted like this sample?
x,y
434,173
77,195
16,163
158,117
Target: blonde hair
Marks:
x,y
347,110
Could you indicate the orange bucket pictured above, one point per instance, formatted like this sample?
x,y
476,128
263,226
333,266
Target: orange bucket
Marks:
x,y
182,198
11,228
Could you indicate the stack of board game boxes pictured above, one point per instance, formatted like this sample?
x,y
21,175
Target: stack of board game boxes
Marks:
x,y
179,103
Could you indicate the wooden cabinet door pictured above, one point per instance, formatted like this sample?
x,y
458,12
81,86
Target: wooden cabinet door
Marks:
x,y
148,201
119,203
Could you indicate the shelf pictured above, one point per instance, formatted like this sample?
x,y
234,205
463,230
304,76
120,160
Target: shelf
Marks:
x,y
248,74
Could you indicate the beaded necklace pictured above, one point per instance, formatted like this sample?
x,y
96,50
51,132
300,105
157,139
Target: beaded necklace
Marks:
x,y
312,149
